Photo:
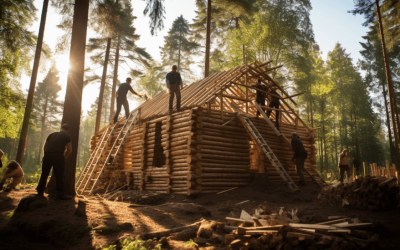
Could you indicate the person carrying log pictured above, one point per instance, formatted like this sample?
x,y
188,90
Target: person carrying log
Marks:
x,y
122,100
299,157
174,85
356,166
260,94
344,165
56,149
15,172
274,103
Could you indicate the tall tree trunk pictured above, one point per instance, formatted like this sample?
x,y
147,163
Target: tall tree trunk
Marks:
x,y
103,82
115,80
73,96
392,97
31,92
27,144
12,150
43,126
334,138
208,40
392,150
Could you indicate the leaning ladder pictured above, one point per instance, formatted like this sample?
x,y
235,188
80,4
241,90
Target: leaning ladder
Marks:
x,y
112,156
311,172
90,165
257,138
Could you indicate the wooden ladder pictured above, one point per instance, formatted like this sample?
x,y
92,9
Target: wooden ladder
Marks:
x,y
108,157
93,159
257,138
311,172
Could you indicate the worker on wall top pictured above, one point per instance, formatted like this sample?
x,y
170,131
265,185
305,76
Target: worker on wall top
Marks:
x,y
122,100
274,103
344,165
261,94
174,84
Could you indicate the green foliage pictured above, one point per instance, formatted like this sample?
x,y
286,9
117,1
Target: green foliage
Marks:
x,y
129,244
190,243
152,82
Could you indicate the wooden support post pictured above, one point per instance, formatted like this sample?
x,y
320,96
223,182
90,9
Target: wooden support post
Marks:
x,y
247,94
222,104
296,123
364,168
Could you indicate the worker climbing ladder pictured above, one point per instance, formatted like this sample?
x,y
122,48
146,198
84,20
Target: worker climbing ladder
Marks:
x,y
257,138
105,156
311,172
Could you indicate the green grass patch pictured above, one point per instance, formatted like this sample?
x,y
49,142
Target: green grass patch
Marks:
x,y
108,217
129,244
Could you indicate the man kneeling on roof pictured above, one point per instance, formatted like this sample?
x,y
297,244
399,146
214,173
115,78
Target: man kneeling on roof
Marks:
x,y
300,155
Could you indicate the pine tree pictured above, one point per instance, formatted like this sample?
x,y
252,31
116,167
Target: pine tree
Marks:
x,y
46,103
177,48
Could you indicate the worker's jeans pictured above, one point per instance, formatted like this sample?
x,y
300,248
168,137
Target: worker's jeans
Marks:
x,y
56,161
121,101
342,169
175,89
274,105
299,166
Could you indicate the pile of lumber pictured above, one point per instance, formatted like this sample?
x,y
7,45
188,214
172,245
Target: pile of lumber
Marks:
x,y
369,192
266,229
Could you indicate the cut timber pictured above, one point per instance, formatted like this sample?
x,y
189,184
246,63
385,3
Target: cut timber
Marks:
x,y
168,232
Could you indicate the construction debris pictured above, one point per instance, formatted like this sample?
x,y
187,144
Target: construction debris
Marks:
x,y
369,192
280,230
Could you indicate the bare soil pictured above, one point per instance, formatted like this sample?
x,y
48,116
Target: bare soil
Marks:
x,y
174,210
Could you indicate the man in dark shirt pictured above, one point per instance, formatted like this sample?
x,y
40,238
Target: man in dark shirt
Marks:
x,y
121,98
356,165
274,103
260,92
300,155
56,148
174,85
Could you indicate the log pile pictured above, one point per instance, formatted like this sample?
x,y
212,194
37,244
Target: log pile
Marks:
x,y
369,192
266,229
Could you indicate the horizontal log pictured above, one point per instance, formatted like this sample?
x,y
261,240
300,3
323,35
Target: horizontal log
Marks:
x,y
225,184
225,144
224,170
223,157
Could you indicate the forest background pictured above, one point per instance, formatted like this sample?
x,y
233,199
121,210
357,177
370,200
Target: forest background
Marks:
x,y
346,98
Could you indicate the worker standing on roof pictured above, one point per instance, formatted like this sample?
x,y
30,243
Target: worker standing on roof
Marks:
x,y
174,85
274,103
260,92
122,100
300,155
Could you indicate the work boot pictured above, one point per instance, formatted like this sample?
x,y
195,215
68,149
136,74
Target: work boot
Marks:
x,y
63,197
40,195
7,190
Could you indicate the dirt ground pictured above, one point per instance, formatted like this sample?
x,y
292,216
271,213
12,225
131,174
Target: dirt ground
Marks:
x,y
174,210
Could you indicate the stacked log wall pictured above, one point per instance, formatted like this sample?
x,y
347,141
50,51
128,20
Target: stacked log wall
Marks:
x,y
225,152
178,132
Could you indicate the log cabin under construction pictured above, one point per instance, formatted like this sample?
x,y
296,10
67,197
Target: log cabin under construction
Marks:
x,y
204,148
